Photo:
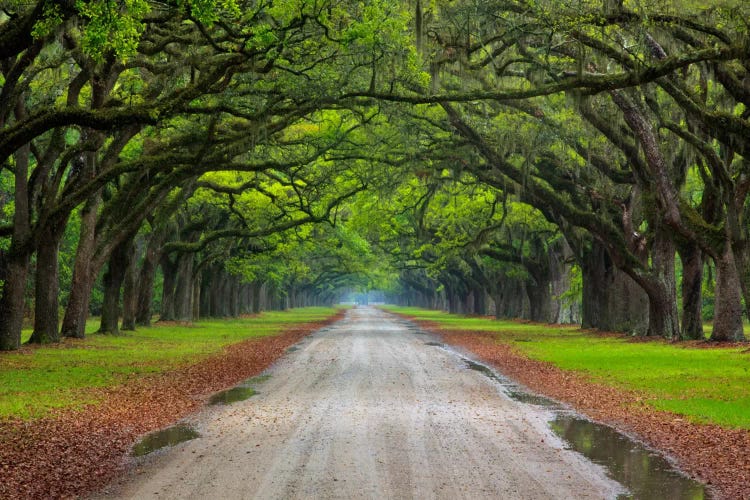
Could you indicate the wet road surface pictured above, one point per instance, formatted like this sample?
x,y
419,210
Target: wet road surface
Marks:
x,y
368,408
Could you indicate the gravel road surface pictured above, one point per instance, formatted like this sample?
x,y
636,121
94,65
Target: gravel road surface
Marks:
x,y
367,408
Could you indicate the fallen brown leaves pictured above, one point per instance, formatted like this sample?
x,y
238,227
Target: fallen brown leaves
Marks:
x,y
717,456
75,452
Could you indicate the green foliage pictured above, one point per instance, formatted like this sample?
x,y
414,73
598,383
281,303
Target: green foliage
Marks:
x,y
574,294
112,28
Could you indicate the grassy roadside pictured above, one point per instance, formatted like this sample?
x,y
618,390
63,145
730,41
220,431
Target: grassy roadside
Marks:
x,y
705,385
37,380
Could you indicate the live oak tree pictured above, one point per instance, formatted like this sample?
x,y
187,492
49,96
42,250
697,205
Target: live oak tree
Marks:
x,y
143,66
209,135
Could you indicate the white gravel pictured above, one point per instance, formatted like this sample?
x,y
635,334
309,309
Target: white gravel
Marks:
x,y
365,409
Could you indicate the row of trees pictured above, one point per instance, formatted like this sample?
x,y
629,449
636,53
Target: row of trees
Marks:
x,y
235,155
626,127
180,136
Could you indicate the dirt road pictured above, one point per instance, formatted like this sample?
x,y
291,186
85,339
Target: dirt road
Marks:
x,y
367,408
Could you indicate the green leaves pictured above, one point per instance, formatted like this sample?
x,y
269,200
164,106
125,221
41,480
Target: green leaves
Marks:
x,y
111,27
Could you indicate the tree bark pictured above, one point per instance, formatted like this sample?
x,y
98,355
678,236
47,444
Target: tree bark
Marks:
x,y
47,286
255,289
691,257
742,253
146,279
169,272
611,300
183,293
663,319
130,291
76,313
728,306
14,265
196,299
113,278
540,301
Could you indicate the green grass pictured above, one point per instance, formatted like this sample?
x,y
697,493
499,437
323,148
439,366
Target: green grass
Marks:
x,y
36,380
705,385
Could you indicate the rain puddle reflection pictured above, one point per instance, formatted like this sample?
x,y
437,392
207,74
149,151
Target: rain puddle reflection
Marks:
x,y
163,438
239,393
644,473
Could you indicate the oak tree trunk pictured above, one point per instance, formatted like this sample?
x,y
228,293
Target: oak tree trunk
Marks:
x,y
663,319
183,292
540,301
169,272
113,278
76,313
691,257
47,286
611,300
728,306
130,292
14,265
146,279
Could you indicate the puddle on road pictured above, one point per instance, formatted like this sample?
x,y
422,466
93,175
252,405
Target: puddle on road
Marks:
x,y
239,393
484,370
292,349
644,473
163,438
511,389
532,399
434,344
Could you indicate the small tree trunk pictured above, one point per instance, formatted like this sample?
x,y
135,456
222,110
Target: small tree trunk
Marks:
x,y
113,278
14,265
77,311
183,295
169,271
146,279
217,281
255,289
663,319
47,289
611,300
743,262
12,300
196,300
728,307
691,257
245,292
480,301
205,293
662,309
130,293
233,297
540,301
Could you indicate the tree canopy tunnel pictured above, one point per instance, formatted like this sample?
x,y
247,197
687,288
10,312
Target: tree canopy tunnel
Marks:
x,y
551,160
